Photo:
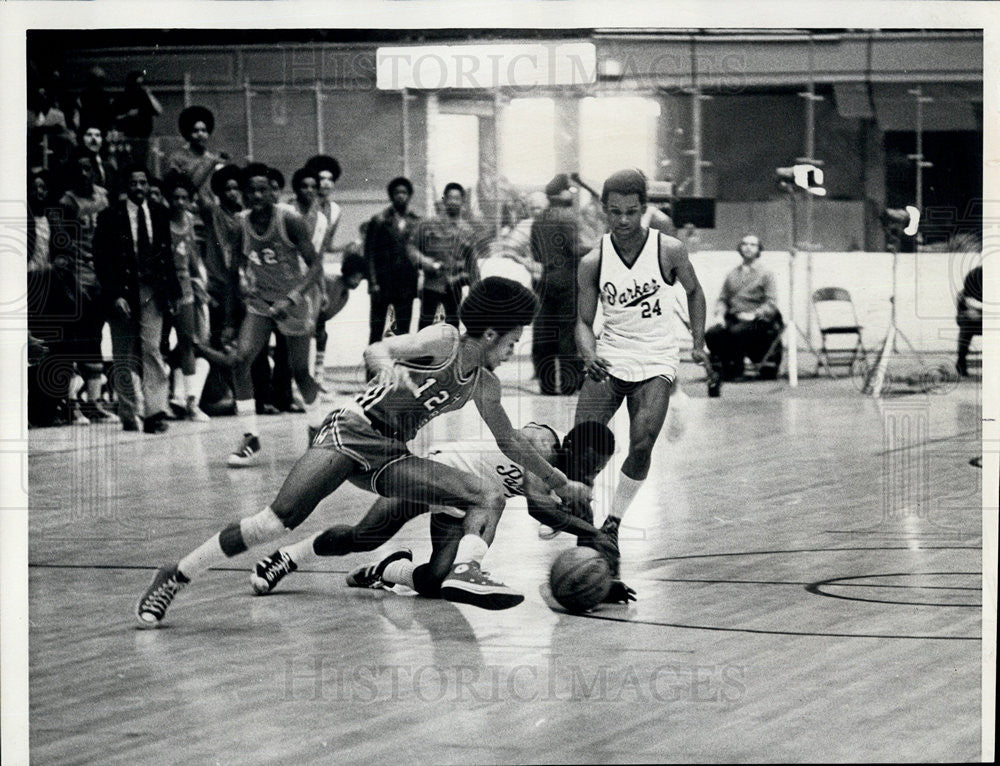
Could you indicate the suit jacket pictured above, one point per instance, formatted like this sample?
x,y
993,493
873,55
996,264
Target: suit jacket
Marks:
x,y
385,250
118,269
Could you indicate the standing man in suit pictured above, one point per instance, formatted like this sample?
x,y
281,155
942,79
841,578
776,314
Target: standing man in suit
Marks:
x,y
133,259
392,278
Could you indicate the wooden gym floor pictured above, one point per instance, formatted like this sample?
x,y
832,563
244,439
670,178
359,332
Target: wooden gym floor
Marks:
x,y
808,568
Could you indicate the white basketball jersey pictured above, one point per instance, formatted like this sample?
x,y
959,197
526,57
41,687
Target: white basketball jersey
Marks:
x,y
483,459
637,337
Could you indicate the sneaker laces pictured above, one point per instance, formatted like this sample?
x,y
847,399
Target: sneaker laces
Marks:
x,y
277,567
157,602
246,450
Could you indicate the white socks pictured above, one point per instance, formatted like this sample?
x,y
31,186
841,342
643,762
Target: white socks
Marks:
x,y
399,573
471,548
302,551
625,493
193,384
247,410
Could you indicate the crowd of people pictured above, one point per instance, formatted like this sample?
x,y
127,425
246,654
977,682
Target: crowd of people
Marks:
x,y
159,266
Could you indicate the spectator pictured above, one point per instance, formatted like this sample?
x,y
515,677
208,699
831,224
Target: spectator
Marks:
x,y
50,141
189,315
352,270
442,248
970,316
392,277
196,161
135,264
277,180
134,111
558,242
156,196
94,104
105,168
305,187
43,306
80,315
327,171
747,320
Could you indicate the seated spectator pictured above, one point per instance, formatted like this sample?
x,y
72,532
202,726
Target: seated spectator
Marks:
x,y
747,319
970,316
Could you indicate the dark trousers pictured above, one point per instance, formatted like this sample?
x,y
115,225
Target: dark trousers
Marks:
x,y
557,366
431,300
737,339
403,307
219,386
968,328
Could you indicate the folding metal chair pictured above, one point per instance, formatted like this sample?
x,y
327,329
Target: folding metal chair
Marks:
x,y
836,315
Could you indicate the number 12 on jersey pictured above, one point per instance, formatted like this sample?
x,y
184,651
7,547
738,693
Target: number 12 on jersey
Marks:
x,y
430,403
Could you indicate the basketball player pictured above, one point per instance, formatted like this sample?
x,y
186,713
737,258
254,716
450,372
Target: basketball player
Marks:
x,y
418,377
635,357
580,455
273,241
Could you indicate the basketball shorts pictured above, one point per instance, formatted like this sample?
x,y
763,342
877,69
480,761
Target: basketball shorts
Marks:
x,y
348,431
634,369
300,319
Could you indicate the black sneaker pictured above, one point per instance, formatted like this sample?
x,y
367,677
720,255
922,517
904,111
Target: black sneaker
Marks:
x,y
469,584
714,385
610,528
154,602
370,575
270,570
247,454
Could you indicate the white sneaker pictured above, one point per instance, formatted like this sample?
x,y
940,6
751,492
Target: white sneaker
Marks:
x,y
194,411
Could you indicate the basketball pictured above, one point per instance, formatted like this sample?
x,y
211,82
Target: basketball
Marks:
x,y
580,579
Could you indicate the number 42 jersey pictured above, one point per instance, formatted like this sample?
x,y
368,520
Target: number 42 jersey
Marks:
x,y
638,336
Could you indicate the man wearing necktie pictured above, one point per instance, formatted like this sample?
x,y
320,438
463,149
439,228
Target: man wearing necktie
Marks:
x,y
135,268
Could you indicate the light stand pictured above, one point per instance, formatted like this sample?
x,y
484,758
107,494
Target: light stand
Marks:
x,y
894,221
809,179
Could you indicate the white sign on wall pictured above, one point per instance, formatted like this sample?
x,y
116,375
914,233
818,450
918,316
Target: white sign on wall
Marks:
x,y
500,65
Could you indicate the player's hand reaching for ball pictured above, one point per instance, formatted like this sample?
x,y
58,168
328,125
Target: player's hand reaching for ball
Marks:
x,y
620,593
576,495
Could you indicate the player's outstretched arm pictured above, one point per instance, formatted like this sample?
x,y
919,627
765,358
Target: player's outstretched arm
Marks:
x,y
518,448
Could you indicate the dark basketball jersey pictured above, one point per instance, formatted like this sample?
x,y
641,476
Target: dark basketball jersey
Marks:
x,y
440,389
273,264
